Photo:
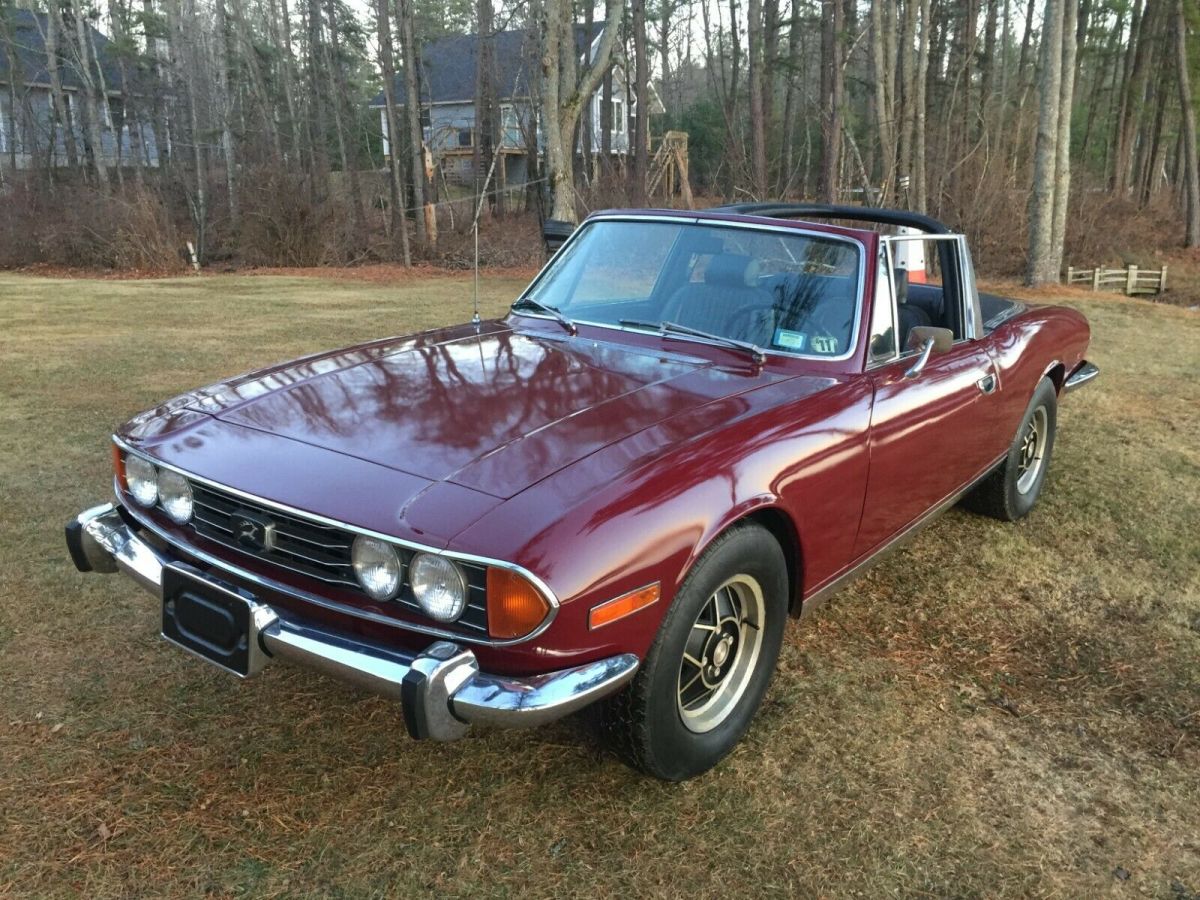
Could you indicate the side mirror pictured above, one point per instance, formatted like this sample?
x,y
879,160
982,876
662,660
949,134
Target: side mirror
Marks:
x,y
930,340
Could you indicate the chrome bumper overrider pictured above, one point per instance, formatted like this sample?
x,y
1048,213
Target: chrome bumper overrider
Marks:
x,y
1085,372
441,688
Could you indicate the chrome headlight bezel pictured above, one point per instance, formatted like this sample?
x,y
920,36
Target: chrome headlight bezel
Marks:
x,y
175,496
439,586
370,555
141,479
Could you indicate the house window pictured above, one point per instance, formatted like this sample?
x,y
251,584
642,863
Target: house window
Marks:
x,y
466,137
618,122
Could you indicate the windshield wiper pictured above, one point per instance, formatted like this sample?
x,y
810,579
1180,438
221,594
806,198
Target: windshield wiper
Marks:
x,y
674,329
553,311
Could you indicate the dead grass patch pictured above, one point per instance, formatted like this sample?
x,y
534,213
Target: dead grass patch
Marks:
x,y
995,711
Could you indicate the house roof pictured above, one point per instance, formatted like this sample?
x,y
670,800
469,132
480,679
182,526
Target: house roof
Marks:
x,y
23,53
447,73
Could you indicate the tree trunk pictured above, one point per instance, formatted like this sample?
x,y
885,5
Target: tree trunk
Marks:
x,y
884,78
224,108
485,96
399,219
1133,100
87,72
282,32
1062,175
426,230
754,72
641,135
790,102
587,127
340,103
920,178
831,96
61,112
1041,268
563,93
1188,112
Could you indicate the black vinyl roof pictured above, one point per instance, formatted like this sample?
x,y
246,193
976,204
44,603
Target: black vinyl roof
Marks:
x,y
899,217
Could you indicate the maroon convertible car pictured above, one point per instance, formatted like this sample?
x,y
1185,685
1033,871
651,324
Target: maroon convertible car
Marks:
x,y
688,427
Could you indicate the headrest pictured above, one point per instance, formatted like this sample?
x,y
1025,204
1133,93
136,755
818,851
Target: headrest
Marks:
x,y
731,270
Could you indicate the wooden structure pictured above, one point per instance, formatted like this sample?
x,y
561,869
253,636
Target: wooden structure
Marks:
x,y
1131,281
669,169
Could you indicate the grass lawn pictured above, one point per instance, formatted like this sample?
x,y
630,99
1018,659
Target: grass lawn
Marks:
x,y
997,710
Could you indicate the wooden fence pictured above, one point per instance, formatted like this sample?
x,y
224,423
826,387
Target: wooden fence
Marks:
x,y
1129,281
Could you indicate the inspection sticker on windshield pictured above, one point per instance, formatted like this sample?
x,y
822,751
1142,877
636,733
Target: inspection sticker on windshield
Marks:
x,y
789,340
825,344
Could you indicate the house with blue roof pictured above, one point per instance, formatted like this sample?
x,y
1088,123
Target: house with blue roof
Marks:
x,y
447,89
31,133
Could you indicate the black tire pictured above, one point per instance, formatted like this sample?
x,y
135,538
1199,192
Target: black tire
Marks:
x,y
645,724
1001,495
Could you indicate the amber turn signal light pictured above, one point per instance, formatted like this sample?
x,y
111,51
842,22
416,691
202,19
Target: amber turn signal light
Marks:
x,y
619,607
514,606
118,465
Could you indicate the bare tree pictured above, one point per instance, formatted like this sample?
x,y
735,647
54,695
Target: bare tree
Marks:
x,y
426,226
641,133
1041,266
399,219
832,82
758,129
565,88
1062,174
1188,113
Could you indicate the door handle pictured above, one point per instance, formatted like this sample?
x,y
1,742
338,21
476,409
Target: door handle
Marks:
x,y
987,384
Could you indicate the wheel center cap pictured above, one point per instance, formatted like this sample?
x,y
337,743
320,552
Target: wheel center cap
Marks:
x,y
721,651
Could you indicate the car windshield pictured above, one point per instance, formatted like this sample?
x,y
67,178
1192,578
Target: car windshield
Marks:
x,y
781,290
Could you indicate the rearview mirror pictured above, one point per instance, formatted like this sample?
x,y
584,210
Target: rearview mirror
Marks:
x,y
929,340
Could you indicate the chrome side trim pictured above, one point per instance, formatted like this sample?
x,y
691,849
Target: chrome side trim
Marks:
x,y
441,688
537,582
1084,374
820,596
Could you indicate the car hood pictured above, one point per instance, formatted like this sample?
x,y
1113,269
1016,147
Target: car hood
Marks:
x,y
494,410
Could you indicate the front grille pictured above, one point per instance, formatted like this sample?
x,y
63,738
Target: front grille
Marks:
x,y
317,550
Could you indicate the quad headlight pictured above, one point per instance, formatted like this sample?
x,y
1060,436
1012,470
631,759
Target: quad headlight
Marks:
x,y
377,567
142,479
438,585
175,496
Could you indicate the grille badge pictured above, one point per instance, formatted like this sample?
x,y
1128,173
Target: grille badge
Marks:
x,y
253,532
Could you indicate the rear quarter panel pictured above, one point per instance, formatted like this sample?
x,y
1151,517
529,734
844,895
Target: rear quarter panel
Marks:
x,y
1042,341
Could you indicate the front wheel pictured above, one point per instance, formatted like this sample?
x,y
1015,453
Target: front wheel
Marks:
x,y
1011,491
705,675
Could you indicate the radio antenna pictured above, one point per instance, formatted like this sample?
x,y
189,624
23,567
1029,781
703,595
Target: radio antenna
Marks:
x,y
475,320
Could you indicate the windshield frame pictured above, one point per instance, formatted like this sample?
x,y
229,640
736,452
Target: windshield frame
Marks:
x,y
855,328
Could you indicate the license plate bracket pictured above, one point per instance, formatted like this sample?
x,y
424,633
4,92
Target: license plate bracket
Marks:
x,y
212,620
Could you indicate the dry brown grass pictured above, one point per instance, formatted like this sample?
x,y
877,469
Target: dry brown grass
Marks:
x,y
996,711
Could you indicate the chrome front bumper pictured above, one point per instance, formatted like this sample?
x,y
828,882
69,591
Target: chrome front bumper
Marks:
x,y
441,689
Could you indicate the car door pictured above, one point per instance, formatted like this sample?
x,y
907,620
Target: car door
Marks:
x,y
932,431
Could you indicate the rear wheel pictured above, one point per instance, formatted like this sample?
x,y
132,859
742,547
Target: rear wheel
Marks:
x,y
1011,491
705,675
